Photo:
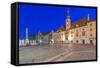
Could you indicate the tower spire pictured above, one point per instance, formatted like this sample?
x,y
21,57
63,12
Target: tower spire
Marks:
x,y
67,11
26,32
27,41
88,17
68,21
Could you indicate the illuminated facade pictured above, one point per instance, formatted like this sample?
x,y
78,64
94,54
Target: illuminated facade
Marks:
x,y
82,31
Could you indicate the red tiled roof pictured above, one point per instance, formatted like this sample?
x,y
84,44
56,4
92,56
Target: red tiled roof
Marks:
x,y
79,23
91,20
76,24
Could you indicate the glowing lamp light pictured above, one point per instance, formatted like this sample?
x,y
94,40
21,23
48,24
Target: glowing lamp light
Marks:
x,y
69,38
63,37
52,40
40,41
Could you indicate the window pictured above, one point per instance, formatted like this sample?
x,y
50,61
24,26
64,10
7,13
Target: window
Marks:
x,y
66,37
76,33
83,41
83,32
91,41
90,24
76,41
90,34
90,29
72,41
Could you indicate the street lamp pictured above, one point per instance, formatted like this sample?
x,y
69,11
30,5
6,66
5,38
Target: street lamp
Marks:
x,y
63,37
70,38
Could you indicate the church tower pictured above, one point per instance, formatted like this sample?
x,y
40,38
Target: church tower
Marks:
x,y
26,33
88,17
27,41
68,21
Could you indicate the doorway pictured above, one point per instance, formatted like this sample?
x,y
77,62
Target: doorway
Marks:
x,y
91,41
83,41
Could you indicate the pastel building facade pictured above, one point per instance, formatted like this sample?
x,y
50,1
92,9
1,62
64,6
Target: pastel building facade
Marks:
x,y
82,31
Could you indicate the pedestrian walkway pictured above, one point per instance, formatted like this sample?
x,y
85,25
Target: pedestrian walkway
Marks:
x,y
53,53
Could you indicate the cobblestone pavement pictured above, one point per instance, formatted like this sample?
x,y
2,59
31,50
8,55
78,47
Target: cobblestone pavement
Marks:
x,y
36,54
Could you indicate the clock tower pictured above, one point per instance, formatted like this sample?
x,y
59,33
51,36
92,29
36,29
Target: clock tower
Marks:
x,y
68,21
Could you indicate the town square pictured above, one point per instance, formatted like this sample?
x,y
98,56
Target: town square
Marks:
x,y
47,53
73,41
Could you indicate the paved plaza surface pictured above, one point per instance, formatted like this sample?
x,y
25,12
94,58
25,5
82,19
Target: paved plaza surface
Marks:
x,y
56,52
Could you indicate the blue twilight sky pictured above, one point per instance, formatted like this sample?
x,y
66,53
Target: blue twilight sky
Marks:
x,y
48,18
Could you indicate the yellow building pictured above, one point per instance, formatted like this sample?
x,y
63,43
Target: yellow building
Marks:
x,y
82,31
92,31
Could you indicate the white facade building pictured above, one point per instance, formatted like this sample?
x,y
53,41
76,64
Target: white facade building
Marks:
x,y
82,31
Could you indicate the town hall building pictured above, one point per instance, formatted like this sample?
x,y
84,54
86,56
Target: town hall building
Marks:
x,y
82,31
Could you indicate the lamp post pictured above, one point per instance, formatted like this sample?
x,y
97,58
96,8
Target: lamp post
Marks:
x,y
27,40
39,38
